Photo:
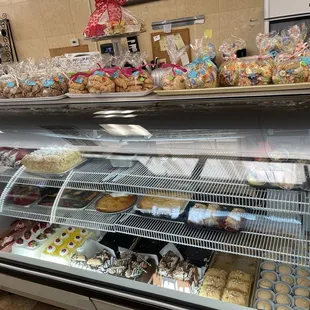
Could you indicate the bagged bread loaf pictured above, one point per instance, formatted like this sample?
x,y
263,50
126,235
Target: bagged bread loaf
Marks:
x,y
290,66
229,71
110,18
174,76
202,72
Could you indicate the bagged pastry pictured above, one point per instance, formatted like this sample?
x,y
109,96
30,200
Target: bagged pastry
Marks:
x,y
174,76
230,69
290,66
202,72
11,87
110,18
137,79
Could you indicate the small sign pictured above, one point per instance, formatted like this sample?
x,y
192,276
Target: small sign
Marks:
x,y
156,38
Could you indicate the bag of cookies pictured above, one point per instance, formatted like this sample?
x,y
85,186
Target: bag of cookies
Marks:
x,y
11,83
174,76
110,18
202,72
230,69
290,67
138,79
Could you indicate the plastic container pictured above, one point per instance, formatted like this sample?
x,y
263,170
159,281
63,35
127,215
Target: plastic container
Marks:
x,y
270,275
265,294
284,299
301,302
120,161
23,196
218,217
302,291
166,208
289,279
266,284
282,287
261,304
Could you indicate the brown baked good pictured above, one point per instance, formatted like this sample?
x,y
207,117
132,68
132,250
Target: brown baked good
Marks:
x,y
149,202
214,281
282,287
235,297
240,275
283,299
302,302
236,285
110,204
219,273
302,281
302,291
211,292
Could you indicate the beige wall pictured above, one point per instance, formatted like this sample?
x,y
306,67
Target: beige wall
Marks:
x,y
42,24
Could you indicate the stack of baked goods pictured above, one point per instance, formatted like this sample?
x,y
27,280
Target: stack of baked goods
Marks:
x,y
233,287
52,160
158,206
115,202
24,195
214,216
282,285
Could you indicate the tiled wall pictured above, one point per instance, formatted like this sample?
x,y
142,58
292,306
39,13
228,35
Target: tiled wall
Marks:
x,y
42,24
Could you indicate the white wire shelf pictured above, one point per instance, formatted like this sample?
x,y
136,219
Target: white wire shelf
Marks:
x,y
248,243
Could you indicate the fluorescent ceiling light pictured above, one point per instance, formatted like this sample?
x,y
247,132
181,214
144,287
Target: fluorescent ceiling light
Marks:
x,y
126,130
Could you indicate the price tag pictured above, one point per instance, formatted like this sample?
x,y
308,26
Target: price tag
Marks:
x,y
156,38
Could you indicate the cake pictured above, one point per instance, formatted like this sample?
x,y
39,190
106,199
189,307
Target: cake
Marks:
x,y
23,195
52,160
110,204
211,292
235,219
214,281
236,285
240,275
77,199
222,274
235,297
148,203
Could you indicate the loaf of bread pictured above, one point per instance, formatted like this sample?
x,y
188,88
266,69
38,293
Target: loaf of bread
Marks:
x,y
110,204
166,203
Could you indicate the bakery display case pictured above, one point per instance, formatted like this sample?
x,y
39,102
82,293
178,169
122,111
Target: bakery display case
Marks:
x,y
175,204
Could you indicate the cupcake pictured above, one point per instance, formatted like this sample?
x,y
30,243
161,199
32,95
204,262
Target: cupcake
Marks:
x,y
282,287
269,266
301,302
264,305
264,294
284,299
302,281
264,283
301,291
302,272
290,280
269,275
285,269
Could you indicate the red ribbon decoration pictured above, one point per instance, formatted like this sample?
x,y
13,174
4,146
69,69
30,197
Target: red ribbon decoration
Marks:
x,y
74,76
173,66
114,10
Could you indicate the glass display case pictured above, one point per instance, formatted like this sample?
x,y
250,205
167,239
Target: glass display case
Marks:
x,y
175,203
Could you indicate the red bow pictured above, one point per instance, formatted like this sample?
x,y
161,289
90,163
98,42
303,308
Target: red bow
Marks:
x,y
173,66
114,10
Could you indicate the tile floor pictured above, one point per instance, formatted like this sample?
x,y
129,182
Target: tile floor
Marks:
x,y
15,302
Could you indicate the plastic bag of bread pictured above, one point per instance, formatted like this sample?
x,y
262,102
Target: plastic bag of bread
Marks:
x,y
174,76
289,66
202,72
230,69
138,79
110,18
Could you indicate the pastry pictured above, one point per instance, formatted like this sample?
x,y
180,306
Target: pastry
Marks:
x,y
236,285
302,291
284,269
240,275
282,287
302,272
235,219
24,195
52,160
269,266
264,283
264,294
270,275
215,272
148,203
302,302
76,199
302,281
211,292
235,297
214,281
110,204
283,299
263,305
287,279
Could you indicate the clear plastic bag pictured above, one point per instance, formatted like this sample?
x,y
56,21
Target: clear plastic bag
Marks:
x,y
202,72
290,66
174,76
110,18
10,82
229,71
99,80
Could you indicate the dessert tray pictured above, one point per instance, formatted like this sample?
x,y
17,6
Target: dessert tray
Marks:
x,y
278,89
113,95
35,99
